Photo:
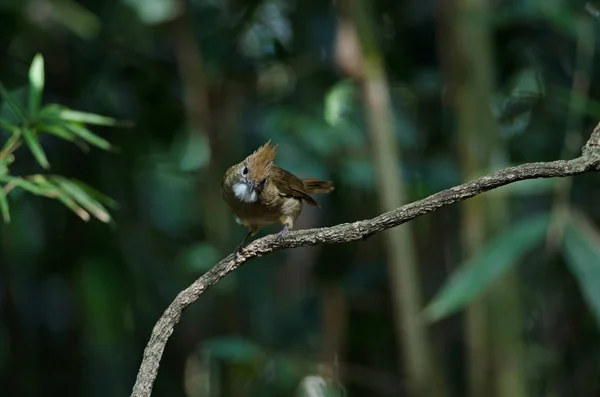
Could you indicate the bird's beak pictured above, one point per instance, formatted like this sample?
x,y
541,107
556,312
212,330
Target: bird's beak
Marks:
x,y
251,185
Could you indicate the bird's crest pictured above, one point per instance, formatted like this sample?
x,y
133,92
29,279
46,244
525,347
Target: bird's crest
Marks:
x,y
259,162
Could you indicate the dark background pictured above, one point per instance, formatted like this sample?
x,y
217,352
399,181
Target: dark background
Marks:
x,y
473,86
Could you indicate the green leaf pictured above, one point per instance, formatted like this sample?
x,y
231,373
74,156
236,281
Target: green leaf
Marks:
x,y
24,184
4,166
101,197
35,147
8,127
88,118
81,197
51,111
4,207
88,136
55,112
13,104
582,254
474,276
61,132
57,130
11,144
53,191
36,83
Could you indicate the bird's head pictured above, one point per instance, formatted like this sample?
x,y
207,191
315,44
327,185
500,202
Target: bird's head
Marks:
x,y
248,178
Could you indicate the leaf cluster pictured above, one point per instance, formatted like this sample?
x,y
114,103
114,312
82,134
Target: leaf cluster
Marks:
x,y
27,125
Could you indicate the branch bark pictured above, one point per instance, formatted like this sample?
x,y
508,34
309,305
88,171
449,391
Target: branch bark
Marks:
x,y
588,161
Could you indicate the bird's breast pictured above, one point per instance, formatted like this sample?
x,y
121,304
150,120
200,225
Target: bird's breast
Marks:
x,y
256,213
260,208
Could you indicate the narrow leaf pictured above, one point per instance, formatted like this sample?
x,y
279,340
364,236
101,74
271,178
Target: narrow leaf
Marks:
x,y
61,132
54,112
8,127
4,207
582,255
81,197
4,166
493,260
51,112
101,197
13,104
24,184
88,136
88,118
61,195
11,144
57,130
36,148
70,204
36,83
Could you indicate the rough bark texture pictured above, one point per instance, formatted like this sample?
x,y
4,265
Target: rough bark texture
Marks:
x,y
347,232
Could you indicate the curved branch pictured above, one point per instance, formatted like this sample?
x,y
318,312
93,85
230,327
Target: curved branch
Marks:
x,y
347,232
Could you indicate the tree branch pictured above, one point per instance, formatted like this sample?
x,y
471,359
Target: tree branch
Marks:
x,y
347,232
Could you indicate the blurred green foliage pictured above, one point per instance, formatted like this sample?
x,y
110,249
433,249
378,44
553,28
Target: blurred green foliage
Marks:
x,y
78,300
483,269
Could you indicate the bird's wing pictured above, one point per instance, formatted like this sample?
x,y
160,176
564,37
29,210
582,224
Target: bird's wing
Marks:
x,y
289,184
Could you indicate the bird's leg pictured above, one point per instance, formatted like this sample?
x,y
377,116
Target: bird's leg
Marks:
x,y
238,250
284,232
288,224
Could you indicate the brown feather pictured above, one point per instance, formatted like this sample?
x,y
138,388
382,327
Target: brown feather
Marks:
x,y
290,185
260,167
259,163
317,186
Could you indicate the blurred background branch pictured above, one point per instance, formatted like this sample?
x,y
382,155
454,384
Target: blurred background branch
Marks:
x,y
414,345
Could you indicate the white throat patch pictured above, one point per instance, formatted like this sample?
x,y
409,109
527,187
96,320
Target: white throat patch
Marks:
x,y
243,193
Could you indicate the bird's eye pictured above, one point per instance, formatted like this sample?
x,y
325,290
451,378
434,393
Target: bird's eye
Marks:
x,y
245,171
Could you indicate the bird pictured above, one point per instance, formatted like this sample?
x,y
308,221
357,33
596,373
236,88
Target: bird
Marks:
x,y
260,193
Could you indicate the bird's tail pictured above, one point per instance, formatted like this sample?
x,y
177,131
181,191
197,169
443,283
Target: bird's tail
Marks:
x,y
317,186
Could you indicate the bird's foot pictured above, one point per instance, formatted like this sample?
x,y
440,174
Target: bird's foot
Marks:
x,y
237,253
283,233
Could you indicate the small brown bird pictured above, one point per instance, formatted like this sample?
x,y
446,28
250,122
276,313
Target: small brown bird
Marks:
x,y
260,193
